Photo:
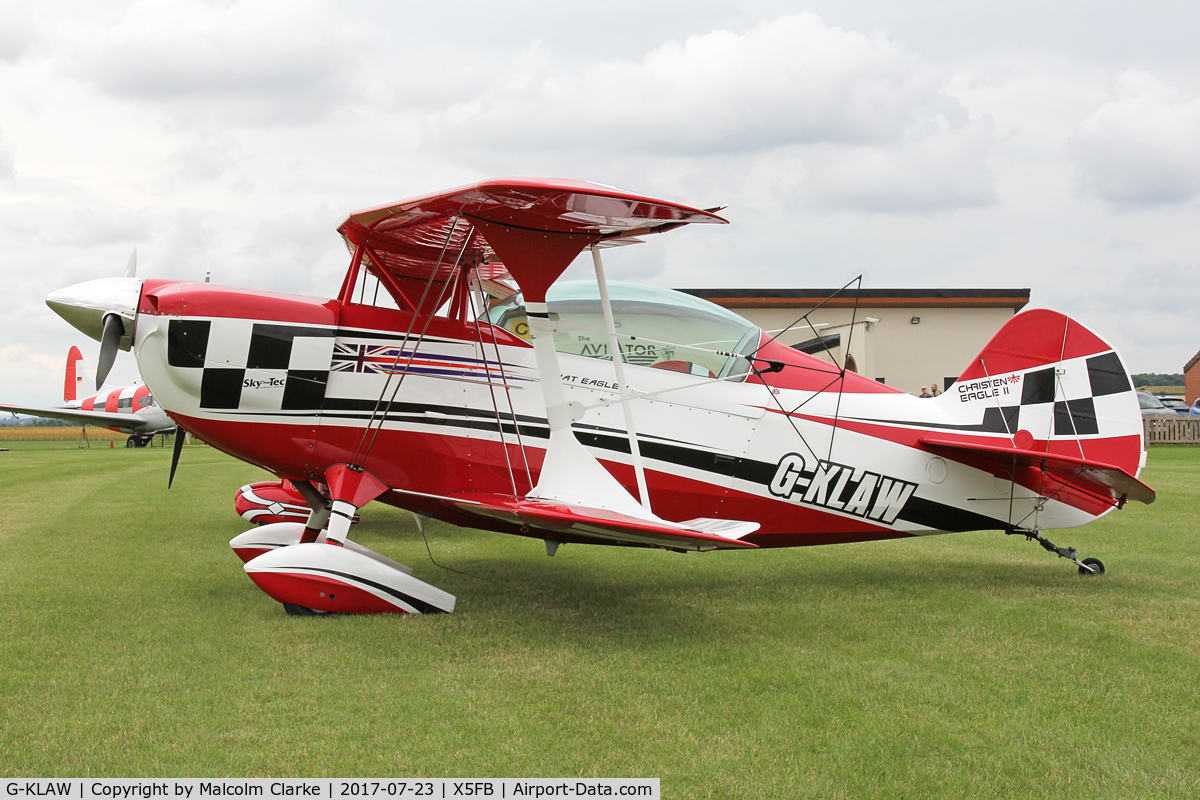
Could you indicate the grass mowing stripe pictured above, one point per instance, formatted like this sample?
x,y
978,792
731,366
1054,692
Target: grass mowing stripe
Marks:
x,y
962,665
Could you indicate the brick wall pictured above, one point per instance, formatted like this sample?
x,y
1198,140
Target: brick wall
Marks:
x,y
1191,379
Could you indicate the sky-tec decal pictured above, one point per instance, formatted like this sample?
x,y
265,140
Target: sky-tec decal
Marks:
x,y
255,383
841,488
987,389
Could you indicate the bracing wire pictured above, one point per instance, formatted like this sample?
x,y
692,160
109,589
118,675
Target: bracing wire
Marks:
x,y
412,354
512,410
512,477
434,561
839,377
837,409
359,451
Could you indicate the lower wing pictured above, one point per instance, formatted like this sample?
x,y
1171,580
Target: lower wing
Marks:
x,y
601,523
127,423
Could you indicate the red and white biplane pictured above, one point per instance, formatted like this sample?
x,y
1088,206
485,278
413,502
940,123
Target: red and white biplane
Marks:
x,y
430,384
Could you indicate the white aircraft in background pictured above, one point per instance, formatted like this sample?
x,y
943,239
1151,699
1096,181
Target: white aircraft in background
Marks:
x,y
127,409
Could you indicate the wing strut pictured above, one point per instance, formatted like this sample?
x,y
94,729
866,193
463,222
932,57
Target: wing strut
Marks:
x,y
618,360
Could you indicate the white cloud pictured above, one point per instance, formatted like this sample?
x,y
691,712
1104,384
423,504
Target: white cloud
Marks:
x,y
1140,148
789,80
7,169
17,34
945,169
99,225
837,119
207,156
251,61
1147,310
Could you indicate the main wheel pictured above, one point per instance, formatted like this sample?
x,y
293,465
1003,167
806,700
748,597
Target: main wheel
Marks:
x,y
131,442
1095,563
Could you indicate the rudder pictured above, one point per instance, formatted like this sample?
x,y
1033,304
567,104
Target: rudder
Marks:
x,y
75,376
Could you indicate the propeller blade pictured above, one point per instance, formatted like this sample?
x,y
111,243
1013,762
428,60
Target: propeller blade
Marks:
x,y
131,266
114,329
177,449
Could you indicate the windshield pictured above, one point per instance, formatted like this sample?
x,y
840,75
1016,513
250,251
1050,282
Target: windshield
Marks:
x,y
1149,401
656,327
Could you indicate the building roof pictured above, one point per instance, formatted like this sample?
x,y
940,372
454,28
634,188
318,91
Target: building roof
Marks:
x,y
1015,299
1191,362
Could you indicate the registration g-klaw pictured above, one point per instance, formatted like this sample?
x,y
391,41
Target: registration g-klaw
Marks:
x,y
453,375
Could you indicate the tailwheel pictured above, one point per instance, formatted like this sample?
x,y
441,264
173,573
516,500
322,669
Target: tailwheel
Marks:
x,y
1089,566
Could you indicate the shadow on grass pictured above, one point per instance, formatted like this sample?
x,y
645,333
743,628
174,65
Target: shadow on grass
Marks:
x,y
626,599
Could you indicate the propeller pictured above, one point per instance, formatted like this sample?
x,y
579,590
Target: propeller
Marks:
x,y
177,449
110,338
114,329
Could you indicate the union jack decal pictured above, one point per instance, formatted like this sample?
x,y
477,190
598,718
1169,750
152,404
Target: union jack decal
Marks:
x,y
376,359
368,358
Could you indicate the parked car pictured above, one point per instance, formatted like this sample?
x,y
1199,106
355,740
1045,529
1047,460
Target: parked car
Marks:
x,y
1195,408
1176,404
1152,406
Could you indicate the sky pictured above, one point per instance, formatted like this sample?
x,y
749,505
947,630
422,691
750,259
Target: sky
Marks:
x,y
1048,146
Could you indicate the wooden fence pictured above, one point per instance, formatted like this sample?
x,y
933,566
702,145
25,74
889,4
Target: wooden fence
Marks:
x,y
1167,430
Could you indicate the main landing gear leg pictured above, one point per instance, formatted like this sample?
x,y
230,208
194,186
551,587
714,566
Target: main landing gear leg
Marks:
x,y
1089,566
319,514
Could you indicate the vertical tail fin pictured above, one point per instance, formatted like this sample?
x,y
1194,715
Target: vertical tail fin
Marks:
x,y
1056,387
76,375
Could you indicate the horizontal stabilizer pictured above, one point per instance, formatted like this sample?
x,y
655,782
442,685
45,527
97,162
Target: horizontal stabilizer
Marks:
x,y
601,523
1095,476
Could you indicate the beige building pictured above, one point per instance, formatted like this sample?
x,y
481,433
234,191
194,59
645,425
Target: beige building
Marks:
x,y
906,338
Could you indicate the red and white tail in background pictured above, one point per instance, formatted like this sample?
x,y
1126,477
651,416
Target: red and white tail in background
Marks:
x,y
76,376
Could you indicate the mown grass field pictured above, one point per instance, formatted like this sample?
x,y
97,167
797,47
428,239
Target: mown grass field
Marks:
x,y
972,665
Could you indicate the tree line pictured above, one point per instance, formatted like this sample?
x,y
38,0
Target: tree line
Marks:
x,y
1156,379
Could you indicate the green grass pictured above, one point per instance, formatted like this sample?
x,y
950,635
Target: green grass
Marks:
x,y
971,665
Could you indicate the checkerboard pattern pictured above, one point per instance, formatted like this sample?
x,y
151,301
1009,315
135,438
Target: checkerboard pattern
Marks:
x,y
252,366
1084,390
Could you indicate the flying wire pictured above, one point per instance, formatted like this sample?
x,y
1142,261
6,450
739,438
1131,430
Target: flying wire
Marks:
x,y
434,561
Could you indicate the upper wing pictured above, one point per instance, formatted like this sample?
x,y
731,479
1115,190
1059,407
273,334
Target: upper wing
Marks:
x,y
1095,476
535,225
601,523
127,423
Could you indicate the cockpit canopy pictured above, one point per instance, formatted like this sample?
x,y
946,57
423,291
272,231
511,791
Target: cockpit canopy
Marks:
x,y
656,327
